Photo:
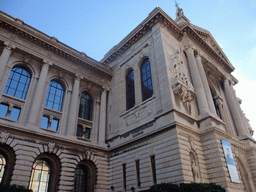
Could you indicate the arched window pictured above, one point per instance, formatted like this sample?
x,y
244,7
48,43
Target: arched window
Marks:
x,y
18,82
130,94
2,166
81,179
40,176
85,177
55,95
7,161
86,106
146,80
45,173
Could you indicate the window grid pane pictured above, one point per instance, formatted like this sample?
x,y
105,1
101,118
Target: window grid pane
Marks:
x,y
54,124
146,80
81,179
54,96
130,94
18,81
45,122
40,176
15,113
2,166
3,109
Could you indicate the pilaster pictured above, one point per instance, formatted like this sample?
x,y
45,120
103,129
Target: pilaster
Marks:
x,y
37,99
72,119
102,122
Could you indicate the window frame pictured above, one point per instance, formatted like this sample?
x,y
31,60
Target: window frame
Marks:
x,y
85,107
10,158
146,77
130,90
11,79
50,87
54,163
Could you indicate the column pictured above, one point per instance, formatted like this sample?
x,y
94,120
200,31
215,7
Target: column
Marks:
x,y
224,115
39,92
232,103
205,84
5,57
73,109
198,85
102,123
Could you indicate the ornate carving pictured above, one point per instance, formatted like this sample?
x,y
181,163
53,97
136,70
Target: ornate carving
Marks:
x,y
9,46
191,143
195,171
51,147
4,136
195,167
181,85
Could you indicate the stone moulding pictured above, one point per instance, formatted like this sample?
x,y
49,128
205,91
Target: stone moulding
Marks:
x,y
184,92
79,59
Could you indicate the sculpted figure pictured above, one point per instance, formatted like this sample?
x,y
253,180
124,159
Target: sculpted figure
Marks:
x,y
179,11
195,171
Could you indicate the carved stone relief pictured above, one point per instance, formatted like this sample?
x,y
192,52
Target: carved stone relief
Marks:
x,y
180,82
4,136
195,168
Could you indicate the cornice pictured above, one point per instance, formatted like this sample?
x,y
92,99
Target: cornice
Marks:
x,y
218,57
157,15
52,44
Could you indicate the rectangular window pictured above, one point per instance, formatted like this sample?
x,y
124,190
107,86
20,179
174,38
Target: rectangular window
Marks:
x,y
3,109
79,131
124,176
87,133
153,168
54,124
15,113
138,172
45,122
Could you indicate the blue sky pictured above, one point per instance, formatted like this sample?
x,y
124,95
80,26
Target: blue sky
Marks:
x,y
94,27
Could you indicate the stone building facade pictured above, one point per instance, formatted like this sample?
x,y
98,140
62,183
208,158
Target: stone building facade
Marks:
x,y
157,108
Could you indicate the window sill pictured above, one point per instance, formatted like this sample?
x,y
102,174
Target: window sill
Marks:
x,y
8,119
12,100
45,129
84,139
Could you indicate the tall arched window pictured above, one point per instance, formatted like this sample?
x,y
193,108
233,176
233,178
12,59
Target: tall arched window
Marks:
x,y
40,176
18,82
55,95
81,179
2,166
45,173
130,94
146,80
85,177
86,106
7,161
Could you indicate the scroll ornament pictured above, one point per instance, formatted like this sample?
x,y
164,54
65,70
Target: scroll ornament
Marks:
x,y
181,84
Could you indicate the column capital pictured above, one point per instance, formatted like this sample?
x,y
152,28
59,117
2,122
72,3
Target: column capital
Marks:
x,y
47,62
226,80
105,88
189,46
78,77
9,46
